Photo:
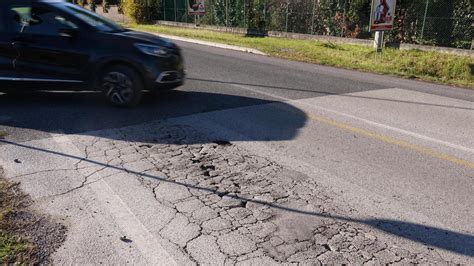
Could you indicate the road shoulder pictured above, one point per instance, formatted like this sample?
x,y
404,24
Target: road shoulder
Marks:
x,y
26,236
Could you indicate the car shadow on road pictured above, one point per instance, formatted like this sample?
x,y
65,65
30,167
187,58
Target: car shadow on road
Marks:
x,y
460,243
74,113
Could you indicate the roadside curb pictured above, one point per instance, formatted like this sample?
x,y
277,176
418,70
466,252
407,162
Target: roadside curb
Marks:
x,y
212,44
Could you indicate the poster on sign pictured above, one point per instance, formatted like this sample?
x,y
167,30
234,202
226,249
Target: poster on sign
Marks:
x,y
382,15
196,7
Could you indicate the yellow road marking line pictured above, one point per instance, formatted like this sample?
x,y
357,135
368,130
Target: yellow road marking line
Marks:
x,y
395,129
373,135
393,141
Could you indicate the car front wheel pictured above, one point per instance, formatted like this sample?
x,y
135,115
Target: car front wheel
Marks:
x,y
121,86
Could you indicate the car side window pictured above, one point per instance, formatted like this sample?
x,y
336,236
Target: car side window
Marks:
x,y
38,20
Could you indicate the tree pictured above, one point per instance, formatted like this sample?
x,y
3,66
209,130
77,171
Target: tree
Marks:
x,y
257,21
277,13
141,11
93,5
329,17
105,6
357,19
463,24
236,13
219,12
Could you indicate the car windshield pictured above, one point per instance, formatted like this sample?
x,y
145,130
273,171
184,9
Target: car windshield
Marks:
x,y
99,23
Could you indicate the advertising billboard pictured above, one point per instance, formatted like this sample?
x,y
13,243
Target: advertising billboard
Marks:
x,y
196,7
382,15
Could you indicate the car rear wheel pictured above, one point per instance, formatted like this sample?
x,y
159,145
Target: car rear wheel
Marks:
x,y
121,86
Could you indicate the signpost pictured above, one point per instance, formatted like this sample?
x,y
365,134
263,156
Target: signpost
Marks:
x,y
382,15
196,8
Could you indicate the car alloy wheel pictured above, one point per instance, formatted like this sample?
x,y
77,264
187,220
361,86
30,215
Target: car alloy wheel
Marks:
x,y
118,88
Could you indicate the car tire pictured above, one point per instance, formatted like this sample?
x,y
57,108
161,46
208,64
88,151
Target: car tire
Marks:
x,y
121,86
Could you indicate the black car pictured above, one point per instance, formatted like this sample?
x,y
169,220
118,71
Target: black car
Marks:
x,y
54,45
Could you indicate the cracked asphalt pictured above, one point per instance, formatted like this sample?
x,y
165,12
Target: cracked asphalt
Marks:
x,y
256,161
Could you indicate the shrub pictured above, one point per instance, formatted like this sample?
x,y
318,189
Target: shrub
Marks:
x,y
105,6
141,11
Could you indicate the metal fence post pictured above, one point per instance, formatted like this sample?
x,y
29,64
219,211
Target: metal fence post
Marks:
x,y
265,13
344,20
227,13
164,10
212,11
312,17
424,21
245,15
175,12
286,16
185,11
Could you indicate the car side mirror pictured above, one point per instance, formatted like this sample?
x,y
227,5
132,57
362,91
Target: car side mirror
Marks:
x,y
68,32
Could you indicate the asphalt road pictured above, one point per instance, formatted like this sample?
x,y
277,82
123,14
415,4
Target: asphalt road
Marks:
x,y
390,149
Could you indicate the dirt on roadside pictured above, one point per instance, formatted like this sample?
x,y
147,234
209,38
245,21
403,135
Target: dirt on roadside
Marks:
x,y
26,236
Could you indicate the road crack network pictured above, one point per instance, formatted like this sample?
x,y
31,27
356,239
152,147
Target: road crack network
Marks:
x,y
230,206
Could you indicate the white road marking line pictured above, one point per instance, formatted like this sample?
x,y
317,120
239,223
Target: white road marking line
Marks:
x,y
399,130
143,239
212,44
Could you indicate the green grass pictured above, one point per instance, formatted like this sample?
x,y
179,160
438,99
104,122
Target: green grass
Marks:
x,y
429,66
3,134
12,248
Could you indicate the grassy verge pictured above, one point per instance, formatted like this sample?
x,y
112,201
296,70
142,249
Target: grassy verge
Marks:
x,y
3,134
26,236
13,249
428,66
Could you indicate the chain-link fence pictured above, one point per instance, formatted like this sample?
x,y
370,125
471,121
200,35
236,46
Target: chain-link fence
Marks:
x,y
432,22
